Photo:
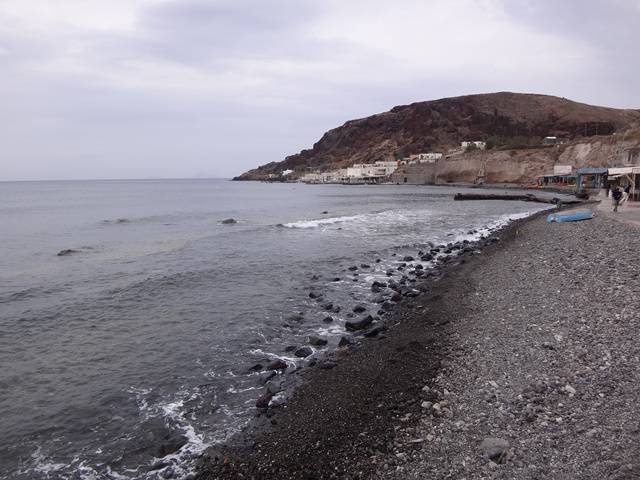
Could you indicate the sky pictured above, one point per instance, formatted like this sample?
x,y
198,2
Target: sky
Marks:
x,y
109,89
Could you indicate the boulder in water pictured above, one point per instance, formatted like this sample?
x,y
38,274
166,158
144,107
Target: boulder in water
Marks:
x,y
66,251
229,221
364,322
317,341
303,352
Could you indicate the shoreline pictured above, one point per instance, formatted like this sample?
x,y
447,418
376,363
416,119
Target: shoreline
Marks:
x,y
334,410
521,363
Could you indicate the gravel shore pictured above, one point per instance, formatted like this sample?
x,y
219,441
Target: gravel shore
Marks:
x,y
520,363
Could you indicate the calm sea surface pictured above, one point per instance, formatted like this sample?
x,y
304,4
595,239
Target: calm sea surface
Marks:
x,y
127,357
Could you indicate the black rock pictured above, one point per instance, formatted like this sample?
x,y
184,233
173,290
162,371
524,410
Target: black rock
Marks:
x,y
496,449
317,341
389,273
266,376
427,257
375,331
419,267
396,297
378,260
325,212
353,268
344,341
303,352
328,306
295,317
229,221
359,309
328,319
411,294
364,265
379,284
277,364
290,348
263,402
336,279
255,368
352,325
408,258
66,251
313,295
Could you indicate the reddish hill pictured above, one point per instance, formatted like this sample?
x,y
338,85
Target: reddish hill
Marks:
x,y
505,119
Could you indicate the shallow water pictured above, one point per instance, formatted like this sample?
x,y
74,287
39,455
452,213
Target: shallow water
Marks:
x,y
127,357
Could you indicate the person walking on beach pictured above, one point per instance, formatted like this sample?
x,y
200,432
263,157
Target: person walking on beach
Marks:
x,y
616,196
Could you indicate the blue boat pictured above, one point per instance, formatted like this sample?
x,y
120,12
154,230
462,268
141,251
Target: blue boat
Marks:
x,y
570,217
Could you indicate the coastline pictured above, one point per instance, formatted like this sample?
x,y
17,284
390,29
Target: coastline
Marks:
x,y
527,350
341,415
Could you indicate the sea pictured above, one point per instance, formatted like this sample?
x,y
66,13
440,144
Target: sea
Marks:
x,y
133,321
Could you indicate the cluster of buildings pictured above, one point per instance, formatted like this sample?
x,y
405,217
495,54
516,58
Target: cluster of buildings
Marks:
x,y
376,172
358,173
593,178
380,171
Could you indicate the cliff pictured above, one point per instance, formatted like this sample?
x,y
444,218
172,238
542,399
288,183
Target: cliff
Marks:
x,y
508,121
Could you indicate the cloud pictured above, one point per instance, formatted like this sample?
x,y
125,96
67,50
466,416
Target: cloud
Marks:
x,y
173,87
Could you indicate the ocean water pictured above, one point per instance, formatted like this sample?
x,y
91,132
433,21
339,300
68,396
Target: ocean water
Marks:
x,y
126,358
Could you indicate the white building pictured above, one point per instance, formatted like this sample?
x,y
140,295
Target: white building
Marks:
x,y
286,172
310,178
431,157
477,144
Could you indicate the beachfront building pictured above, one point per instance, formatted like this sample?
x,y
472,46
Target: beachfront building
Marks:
x,y
311,177
370,172
592,178
474,144
430,157
561,177
628,176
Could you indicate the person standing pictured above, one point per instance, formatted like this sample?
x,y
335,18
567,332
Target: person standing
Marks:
x,y
616,196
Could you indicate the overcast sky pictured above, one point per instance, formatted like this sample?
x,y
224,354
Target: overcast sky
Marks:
x,y
210,88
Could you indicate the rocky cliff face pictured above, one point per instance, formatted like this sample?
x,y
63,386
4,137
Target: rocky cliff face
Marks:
x,y
504,119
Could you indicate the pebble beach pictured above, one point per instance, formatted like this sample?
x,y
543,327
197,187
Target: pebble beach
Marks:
x,y
517,363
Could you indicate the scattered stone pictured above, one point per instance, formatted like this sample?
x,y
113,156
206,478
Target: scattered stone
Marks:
x,y
352,325
327,319
375,331
277,364
295,317
303,352
496,449
359,309
317,341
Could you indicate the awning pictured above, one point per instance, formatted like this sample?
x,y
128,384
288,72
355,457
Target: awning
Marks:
x,y
592,171
620,171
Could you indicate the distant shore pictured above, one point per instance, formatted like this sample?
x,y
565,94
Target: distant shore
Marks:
x,y
524,344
